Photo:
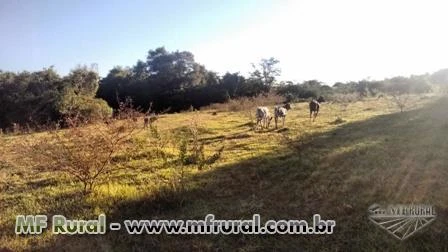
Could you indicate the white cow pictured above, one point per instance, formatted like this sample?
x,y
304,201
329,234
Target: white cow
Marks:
x,y
280,111
263,117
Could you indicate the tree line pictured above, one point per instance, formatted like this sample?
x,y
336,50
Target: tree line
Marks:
x,y
171,82
32,99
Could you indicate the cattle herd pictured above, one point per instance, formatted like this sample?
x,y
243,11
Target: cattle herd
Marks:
x,y
264,117
262,114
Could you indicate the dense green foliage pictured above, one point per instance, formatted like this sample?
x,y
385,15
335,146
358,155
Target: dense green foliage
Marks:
x,y
85,107
174,81
29,97
34,99
169,81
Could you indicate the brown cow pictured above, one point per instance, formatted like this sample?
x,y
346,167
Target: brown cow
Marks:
x,y
314,109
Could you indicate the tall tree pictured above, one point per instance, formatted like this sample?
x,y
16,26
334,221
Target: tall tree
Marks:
x,y
140,70
266,71
232,83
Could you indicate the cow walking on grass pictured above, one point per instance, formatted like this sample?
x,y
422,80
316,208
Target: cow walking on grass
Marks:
x,y
280,112
263,117
314,109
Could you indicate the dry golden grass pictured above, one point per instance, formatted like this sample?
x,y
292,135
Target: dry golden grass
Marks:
x,y
336,169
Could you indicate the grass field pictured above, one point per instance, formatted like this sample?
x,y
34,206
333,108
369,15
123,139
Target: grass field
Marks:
x,y
378,155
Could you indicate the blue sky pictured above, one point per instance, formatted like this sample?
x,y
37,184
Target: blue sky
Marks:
x,y
66,33
327,40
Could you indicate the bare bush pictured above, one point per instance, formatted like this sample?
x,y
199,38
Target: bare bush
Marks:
x,y
192,150
84,152
401,101
126,110
158,144
182,148
341,104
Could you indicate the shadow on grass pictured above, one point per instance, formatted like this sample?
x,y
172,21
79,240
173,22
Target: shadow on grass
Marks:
x,y
239,135
394,158
41,183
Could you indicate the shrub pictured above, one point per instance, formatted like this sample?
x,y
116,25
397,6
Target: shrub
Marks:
x,y
84,152
401,101
85,108
192,150
341,104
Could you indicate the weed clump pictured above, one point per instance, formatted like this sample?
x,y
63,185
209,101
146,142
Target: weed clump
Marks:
x,y
192,150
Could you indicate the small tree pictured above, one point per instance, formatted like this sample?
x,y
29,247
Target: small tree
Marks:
x,y
192,149
401,101
341,105
84,152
